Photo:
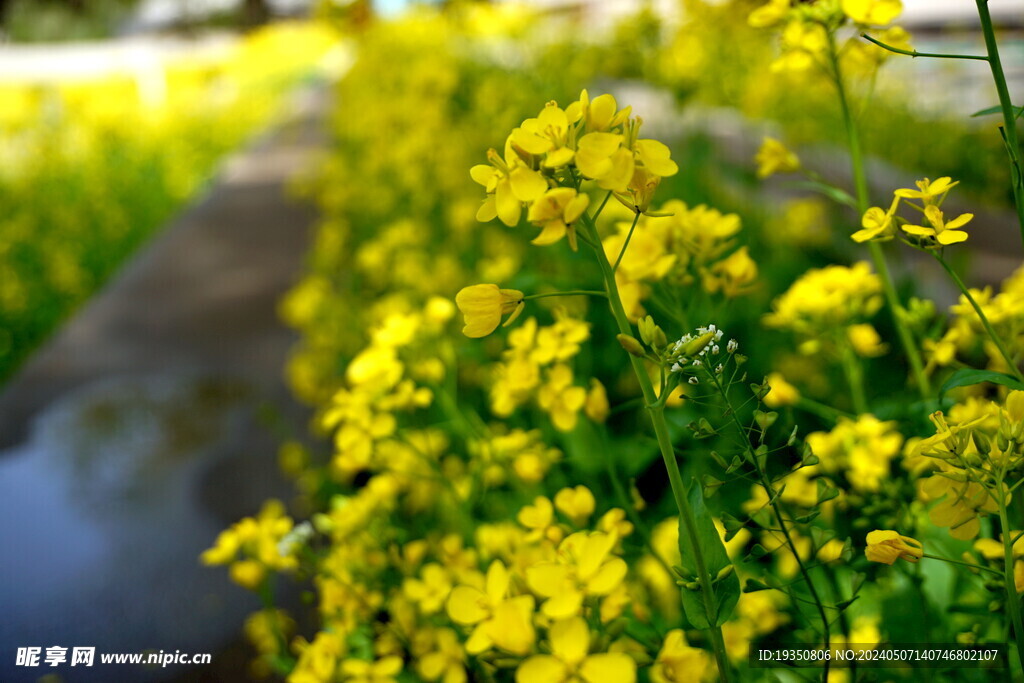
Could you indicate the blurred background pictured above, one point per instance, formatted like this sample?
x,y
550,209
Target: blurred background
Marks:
x,y
152,153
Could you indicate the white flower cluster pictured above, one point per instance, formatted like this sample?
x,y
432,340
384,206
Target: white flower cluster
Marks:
x,y
686,356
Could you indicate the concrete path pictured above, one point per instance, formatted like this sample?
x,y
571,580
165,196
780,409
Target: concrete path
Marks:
x,y
132,437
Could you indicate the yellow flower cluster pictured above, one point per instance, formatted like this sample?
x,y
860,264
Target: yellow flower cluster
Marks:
x,y
536,365
861,449
880,224
1005,312
681,245
831,303
589,140
972,450
253,546
808,29
123,151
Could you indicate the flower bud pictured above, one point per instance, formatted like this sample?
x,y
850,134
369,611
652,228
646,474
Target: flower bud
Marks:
x,y
631,345
695,346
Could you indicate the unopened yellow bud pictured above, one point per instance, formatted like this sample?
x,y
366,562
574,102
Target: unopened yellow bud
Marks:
x,y
631,345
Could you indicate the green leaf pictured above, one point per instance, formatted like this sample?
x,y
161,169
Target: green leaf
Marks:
x,y
836,194
856,581
966,377
826,491
1019,111
753,585
711,548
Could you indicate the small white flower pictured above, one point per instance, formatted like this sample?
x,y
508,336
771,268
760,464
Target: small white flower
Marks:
x,y
696,363
719,369
296,538
676,367
718,335
694,380
732,346
715,349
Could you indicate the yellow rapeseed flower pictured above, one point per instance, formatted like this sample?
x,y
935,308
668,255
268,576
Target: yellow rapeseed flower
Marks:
x,y
927,190
556,212
781,393
562,399
888,546
381,671
774,157
680,662
570,661
865,340
599,114
878,224
872,12
734,275
483,306
585,567
596,407
575,503
509,183
498,620
769,14
943,232
602,157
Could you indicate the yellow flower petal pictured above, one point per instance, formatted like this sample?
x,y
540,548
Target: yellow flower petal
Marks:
x,y
468,605
612,667
541,669
570,640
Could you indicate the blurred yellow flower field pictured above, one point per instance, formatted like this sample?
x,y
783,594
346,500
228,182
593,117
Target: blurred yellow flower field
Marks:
x,y
90,168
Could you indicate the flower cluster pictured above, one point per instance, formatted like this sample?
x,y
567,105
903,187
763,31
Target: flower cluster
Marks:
x,y
829,307
545,158
807,30
880,224
974,451
681,246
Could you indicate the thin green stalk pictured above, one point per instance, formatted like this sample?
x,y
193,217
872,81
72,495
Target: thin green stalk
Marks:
x,y
570,292
1009,115
657,415
963,564
981,315
823,411
1012,599
877,256
915,53
625,245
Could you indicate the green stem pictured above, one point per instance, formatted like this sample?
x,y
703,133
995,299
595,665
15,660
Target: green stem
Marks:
x,y
601,208
1009,115
823,411
1012,599
657,415
571,292
877,256
981,315
915,53
963,564
625,245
